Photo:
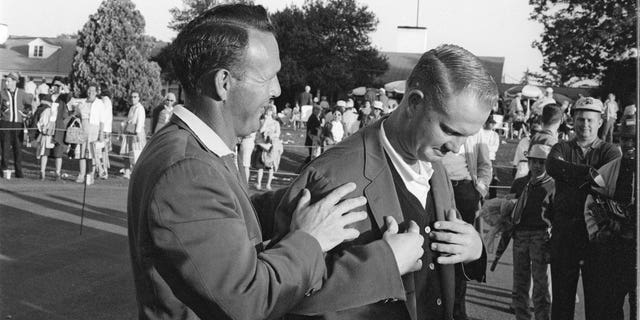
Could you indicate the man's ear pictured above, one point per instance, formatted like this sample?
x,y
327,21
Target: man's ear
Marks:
x,y
415,97
215,84
222,83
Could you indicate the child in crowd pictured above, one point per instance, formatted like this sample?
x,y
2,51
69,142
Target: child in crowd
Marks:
x,y
531,235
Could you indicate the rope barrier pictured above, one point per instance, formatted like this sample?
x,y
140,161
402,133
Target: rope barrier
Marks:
x,y
281,173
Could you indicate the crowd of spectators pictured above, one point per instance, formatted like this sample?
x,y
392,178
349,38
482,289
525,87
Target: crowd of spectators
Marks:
x,y
56,124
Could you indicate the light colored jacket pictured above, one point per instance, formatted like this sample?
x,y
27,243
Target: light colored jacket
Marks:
x,y
478,162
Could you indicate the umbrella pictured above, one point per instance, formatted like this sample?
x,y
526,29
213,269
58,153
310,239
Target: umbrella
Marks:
x,y
530,91
359,91
505,238
396,86
560,98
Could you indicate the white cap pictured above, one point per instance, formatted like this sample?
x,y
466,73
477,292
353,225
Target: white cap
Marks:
x,y
539,151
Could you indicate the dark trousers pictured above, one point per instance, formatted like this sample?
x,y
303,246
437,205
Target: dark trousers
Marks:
x,y
567,251
611,271
11,140
608,275
467,198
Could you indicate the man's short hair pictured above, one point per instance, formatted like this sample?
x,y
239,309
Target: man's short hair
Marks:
x,y
216,39
450,69
551,114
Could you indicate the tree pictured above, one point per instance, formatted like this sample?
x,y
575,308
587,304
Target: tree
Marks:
x,y
326,44
192,9
621,78
113,50
582,37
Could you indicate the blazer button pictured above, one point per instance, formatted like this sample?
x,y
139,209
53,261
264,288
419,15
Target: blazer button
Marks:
x,y
432,266
438,301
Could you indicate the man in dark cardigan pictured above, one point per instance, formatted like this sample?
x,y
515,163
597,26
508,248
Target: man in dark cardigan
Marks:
x,y
396,164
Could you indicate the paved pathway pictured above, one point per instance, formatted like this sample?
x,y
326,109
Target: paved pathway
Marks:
x,y
49,271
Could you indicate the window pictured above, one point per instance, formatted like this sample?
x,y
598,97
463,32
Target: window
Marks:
x,y
38,51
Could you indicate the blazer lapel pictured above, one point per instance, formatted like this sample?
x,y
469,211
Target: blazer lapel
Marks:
x,y
381,192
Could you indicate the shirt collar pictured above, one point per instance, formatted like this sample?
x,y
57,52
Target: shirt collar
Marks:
x,y
595,144
404,169
209,138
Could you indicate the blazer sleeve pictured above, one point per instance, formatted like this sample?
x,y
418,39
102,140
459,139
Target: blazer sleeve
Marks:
x,y
202,248
357,275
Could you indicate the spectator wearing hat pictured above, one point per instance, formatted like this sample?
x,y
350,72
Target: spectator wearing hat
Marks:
x,y
374,115
573,164
15,105
520,161
614,233
531,232
60,114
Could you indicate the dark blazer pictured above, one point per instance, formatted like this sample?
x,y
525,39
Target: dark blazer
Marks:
x,y
314,131
62,119
195,240
23,102
363,279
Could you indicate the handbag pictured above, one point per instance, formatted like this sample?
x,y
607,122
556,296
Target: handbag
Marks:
x,y
75,134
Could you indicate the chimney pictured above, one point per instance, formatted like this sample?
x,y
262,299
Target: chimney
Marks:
x,y
411,39
4,33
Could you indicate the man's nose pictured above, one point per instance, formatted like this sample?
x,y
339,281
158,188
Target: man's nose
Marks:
x,y
275,88
455,144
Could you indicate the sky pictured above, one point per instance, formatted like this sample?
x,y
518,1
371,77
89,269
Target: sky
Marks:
x,y
485,27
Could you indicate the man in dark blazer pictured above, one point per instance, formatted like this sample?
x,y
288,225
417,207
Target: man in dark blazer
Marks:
x,y
15,105
60,99
195,240
396,165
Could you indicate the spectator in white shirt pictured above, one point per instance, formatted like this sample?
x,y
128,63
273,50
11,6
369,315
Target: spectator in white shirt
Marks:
x,y
91,112
610,117
135,135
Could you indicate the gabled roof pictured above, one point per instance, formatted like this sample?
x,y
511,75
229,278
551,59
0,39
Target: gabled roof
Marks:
x,y
14,56
401,64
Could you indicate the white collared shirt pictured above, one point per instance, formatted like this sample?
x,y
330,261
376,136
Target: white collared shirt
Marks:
x,y
210,138
416,182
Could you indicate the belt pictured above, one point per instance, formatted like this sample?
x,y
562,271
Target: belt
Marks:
x,y
456,183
